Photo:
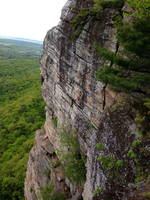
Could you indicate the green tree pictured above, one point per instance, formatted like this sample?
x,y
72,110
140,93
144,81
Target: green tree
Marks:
x,y
129,69
129,73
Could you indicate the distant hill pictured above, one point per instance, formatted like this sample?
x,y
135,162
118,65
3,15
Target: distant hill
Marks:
x,y
10,48
22,39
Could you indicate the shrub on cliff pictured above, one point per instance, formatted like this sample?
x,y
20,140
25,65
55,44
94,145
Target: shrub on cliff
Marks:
x,y
72,158
94,11
49,193
130,72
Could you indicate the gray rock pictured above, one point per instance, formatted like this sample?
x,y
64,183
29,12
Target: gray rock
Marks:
x,y
38,174
80,102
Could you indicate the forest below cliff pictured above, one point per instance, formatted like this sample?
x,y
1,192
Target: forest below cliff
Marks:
x,y
110,141
21,112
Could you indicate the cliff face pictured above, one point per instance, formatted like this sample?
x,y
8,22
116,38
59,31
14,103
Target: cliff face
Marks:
x,y
76,101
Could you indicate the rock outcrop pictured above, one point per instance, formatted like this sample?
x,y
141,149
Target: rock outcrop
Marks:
x,y
39,159
42,160
75,100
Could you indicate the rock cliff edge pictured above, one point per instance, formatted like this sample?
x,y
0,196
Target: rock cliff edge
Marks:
x,y
78,104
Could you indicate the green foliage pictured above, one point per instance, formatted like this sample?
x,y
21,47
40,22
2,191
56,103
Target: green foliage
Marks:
x,y
99,5
135,37
142,118
74,168
140,155
109,162
80,20
130,72
95,11
55,121
98,192
136,143
119,164
69,140
100,146
72,159
139,179
55,164
49,193
21,114
131,154
112,166
147,195
141,8
14,49
147,104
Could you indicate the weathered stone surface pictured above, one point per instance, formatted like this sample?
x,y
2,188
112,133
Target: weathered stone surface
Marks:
x,y
41,171
38,174
79,102
114,128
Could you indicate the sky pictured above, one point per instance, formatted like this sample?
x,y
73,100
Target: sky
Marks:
x,y
29,19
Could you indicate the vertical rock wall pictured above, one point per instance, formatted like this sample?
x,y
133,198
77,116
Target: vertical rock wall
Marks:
x,y
76,100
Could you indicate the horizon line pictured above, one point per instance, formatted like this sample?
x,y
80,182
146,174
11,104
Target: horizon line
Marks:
x,y
21,38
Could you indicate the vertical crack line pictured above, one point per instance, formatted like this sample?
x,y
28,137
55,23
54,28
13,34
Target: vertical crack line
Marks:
x,y
111,64
104,87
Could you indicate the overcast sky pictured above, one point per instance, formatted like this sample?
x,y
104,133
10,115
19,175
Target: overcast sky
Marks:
x,y
29,18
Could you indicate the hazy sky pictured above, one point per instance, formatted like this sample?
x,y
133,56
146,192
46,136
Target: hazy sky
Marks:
x,y
29,18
